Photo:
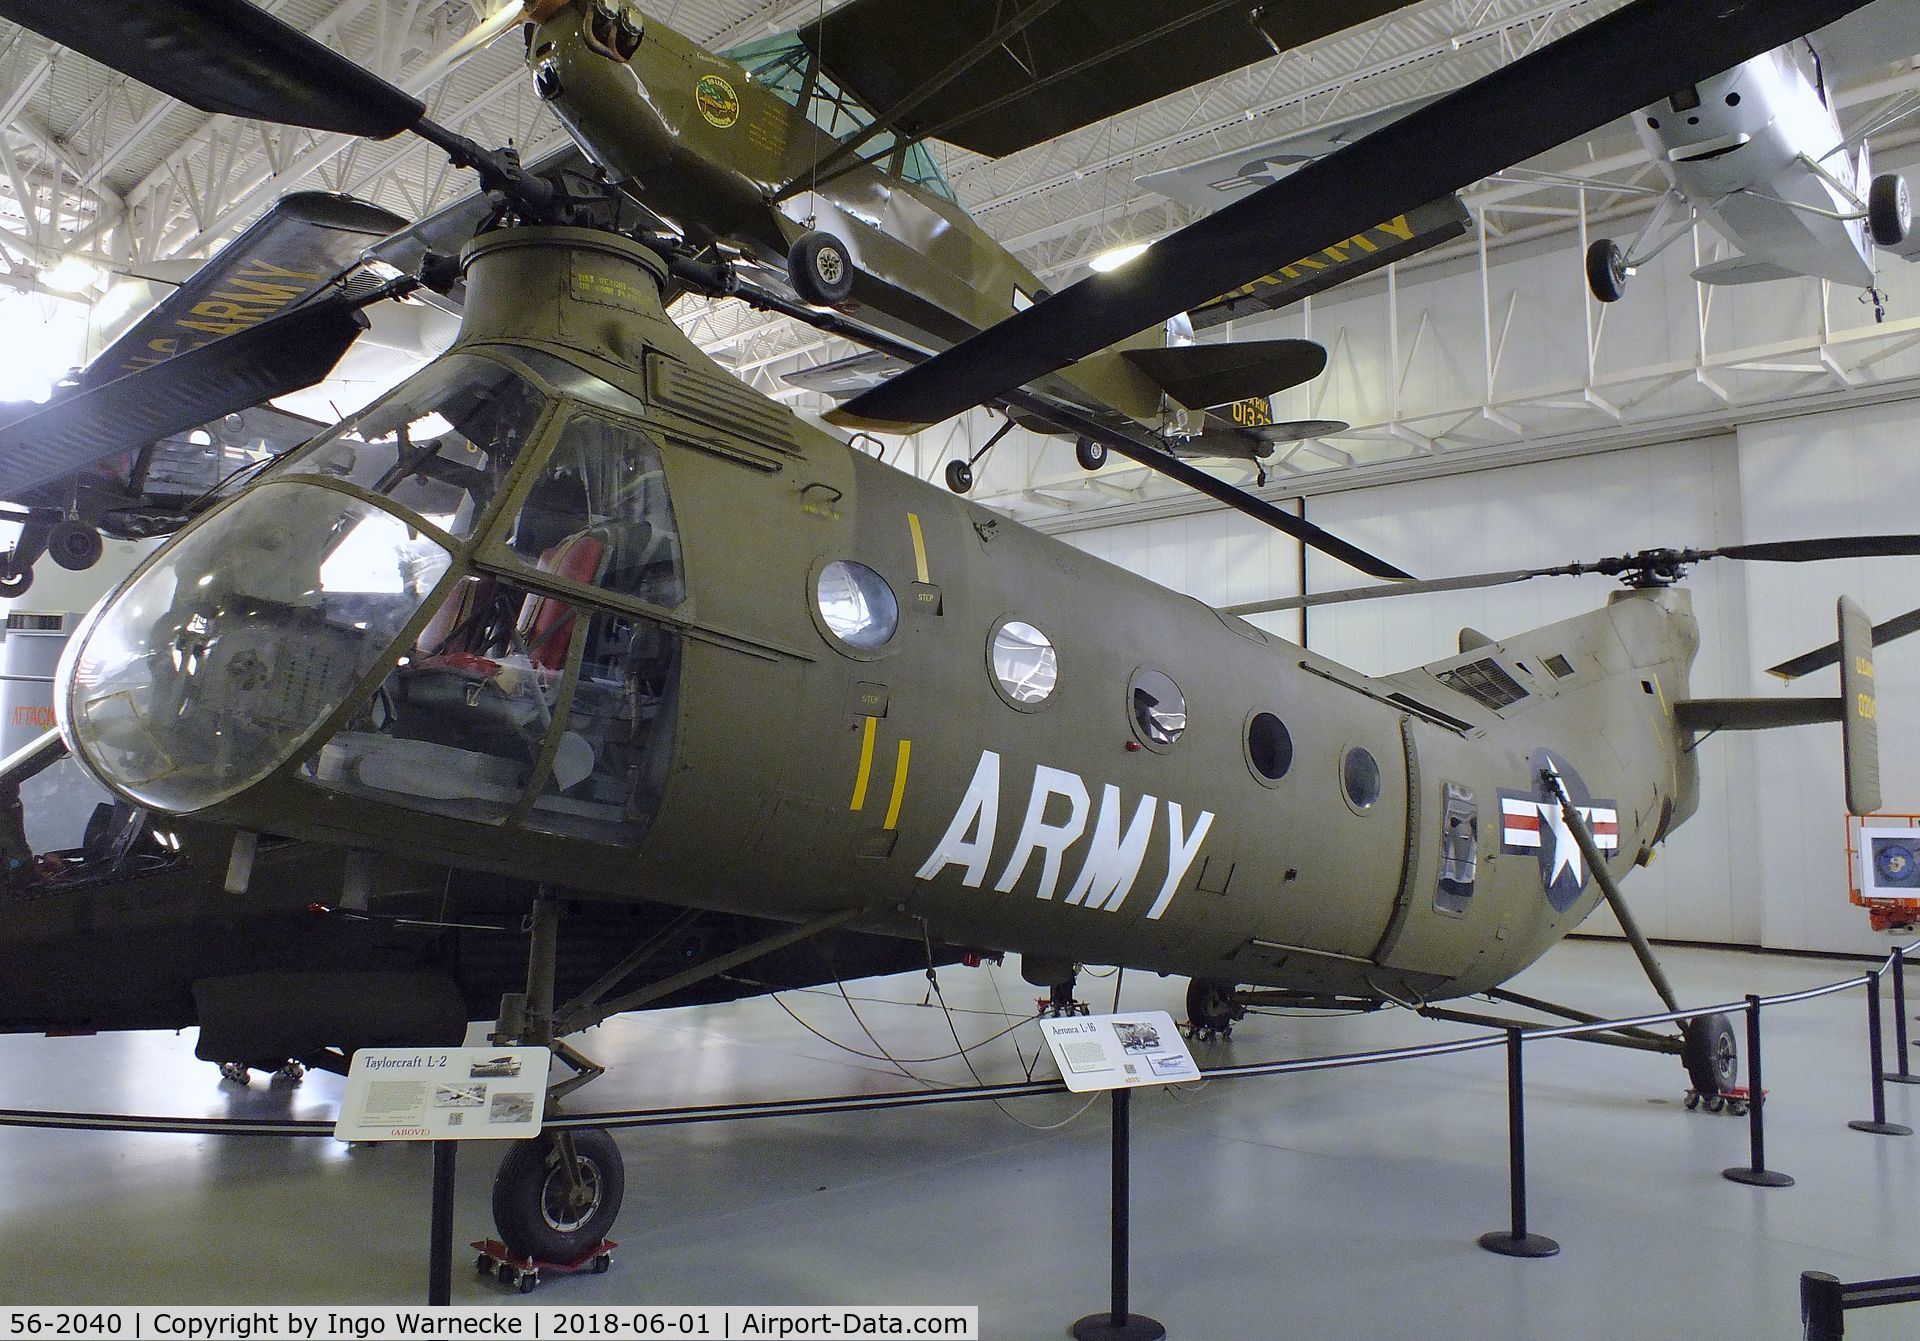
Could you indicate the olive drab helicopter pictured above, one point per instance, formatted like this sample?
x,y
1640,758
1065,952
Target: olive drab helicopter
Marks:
x,y
573,601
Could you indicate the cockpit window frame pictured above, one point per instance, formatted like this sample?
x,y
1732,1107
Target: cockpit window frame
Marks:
x,y
537,444
491,553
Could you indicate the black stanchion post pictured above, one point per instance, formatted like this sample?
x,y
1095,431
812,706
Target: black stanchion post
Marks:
x,y
1879,1125
1517,1242
440,1251
1822,1307
1901,1075
1755,1173
1117,1324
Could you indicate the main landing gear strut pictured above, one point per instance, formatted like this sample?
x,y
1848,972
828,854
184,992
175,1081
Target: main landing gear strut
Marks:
x,y
556,1197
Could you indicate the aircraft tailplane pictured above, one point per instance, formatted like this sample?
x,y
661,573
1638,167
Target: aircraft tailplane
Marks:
x,y
1856,709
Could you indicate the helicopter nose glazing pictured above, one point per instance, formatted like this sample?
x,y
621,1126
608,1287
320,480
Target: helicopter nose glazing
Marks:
x,y
211,668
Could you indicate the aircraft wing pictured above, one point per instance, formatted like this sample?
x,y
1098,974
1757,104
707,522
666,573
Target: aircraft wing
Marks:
x,y
1064,64
292,252
1883,33
282,354
1619,62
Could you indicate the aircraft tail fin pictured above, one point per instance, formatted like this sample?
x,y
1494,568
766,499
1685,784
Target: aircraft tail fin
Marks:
x,y
1856,709
1200,376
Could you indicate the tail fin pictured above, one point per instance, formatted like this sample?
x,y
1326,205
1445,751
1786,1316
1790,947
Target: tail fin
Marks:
x,y
1859,724
1856,710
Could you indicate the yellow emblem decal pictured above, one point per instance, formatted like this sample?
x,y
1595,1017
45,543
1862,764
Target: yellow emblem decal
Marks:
x,y
718,103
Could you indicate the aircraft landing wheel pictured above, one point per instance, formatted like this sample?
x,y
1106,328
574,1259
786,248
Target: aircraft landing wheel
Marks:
x,y
75,546
539,1211
1606,270
1210,1007
13,583
820,269
1711,1052
959,476
1090,454
1889,210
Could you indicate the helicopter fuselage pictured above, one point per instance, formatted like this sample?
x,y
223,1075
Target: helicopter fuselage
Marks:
x,y
629,627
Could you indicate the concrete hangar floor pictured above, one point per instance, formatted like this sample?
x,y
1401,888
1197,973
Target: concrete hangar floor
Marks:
x,y
1336,1204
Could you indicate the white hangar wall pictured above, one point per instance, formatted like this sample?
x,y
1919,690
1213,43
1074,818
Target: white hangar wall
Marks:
x,y
1763,861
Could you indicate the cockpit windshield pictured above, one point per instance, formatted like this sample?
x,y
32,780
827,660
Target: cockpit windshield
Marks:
x,y
783,65
441,445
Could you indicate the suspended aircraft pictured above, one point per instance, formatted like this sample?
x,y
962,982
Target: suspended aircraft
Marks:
x,y
155,461
804,156
1760,153
571,601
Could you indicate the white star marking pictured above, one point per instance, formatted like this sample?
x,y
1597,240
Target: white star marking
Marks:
x,y
1566,849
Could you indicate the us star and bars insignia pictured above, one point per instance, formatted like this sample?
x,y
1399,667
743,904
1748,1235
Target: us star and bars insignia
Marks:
x,y
1534,822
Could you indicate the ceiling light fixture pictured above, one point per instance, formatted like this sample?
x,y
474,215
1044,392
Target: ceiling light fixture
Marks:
x,y
1115,257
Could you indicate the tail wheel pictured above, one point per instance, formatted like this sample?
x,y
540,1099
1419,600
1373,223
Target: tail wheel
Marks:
x,y
1711,1052
542,1213
1090,454
1606,270
820,269
1889,210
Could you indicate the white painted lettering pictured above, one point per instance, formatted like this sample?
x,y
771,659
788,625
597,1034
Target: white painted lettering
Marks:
x,y
1113,860
979,814
1181,850
1051,839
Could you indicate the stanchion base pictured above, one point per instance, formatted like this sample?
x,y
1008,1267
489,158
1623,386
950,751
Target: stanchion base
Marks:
x,y
1902,1080
1753,1177
1099,1327
1881,1128
1526,1245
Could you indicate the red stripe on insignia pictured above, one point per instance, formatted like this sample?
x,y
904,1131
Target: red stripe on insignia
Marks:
x,y
1530,823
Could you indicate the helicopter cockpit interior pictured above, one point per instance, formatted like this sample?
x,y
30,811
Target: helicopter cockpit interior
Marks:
x,y
506,500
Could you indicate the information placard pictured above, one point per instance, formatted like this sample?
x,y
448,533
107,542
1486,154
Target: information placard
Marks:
x,y
444,1094
1112,1052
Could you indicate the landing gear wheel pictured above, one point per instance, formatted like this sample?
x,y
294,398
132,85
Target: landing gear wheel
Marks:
x,y
1711,1053
820,269
1606,270
13,583
959,476
75,546
1090,454
1210,1008
1889,210
534,1202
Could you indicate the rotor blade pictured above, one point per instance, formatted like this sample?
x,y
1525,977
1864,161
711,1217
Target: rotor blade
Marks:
x,y
226,56
1820,658
1607,69
1830,547
285,354
1155,458
1470,582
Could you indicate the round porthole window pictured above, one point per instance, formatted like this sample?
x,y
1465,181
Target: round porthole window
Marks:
x,y
1360,776
1025,667
1159,708
856,605
1269,747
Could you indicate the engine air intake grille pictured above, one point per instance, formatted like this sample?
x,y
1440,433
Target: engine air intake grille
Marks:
x,y
1485,680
